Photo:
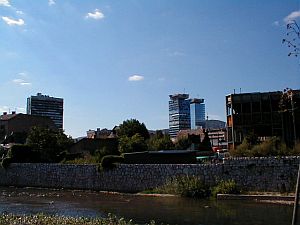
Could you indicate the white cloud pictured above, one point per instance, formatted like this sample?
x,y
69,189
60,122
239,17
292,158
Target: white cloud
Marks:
x,y
23,74
97,15
292,16
21,82
176,53
12,22
20,12
5,3
136,78
276,23
51,2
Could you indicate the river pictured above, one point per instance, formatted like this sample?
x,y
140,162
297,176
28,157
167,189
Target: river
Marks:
x,y
171,210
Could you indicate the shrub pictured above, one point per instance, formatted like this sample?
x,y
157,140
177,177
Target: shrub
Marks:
x,y
136,143
110,162
6,162
186,186
23,154
270,147
226,187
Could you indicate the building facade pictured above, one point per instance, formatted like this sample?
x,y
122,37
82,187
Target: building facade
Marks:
x,y
264,115
19,125
179,114
44,105
197,112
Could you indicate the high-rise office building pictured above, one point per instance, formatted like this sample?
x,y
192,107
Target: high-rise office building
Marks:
x,y
44,105
197,109
179,114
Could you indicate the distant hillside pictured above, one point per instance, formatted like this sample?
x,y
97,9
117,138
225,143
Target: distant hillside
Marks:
x,y
215,124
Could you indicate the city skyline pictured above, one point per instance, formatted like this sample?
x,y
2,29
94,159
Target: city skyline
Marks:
x,y
112,61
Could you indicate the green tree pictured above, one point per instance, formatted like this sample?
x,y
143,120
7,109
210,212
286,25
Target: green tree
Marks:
x,y
182,143
131,127
160,142
49,143
206,144
136,143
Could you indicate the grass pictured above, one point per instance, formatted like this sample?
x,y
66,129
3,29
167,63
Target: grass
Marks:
x,y
42,219
192,186
226,187
186,186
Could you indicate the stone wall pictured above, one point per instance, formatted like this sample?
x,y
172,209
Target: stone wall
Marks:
x,y
257,174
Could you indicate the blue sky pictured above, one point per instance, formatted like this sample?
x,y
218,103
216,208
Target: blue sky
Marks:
x,y
116,60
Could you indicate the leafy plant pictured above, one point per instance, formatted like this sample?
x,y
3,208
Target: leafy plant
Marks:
x,y
49,143
136,143
226,187
160,142
110,162
187,186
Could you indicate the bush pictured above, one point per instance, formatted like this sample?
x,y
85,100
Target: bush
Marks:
x,y
136,143
270,147
6,162
23,154
110,162
186,186
226,187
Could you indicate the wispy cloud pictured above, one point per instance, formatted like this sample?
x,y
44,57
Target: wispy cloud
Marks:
x,y
20,12
97,15
5,3
22,79
276,23
292,16
51,2
13,22
135,78
21,82
173,53
176,53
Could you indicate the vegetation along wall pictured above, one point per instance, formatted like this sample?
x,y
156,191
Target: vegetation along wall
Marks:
x,y
257,174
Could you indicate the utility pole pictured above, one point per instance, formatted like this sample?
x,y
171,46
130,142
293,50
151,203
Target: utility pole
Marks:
x,y
295,211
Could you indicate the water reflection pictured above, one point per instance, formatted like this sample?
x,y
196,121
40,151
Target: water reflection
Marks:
x,y
172,210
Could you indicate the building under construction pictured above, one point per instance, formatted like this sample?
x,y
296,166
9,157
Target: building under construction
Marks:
x,y
264,114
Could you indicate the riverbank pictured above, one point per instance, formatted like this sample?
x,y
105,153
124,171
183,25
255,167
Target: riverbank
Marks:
x,y
262,197
41,219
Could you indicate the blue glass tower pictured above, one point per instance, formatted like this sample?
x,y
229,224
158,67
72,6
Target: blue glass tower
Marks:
x,y
197,108
179,114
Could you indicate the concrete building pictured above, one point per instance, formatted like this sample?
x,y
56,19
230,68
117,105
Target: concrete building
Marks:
x,y
197,113
44,105
261,114
179,114
94,134
218,138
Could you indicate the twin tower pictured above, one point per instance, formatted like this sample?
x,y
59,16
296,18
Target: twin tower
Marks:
x,y
185,113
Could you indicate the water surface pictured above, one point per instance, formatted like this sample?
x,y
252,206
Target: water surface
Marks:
x,y
171,210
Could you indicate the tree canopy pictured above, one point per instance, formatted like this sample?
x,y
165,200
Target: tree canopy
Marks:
x,y
49,143
131,127
160,142
136,143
